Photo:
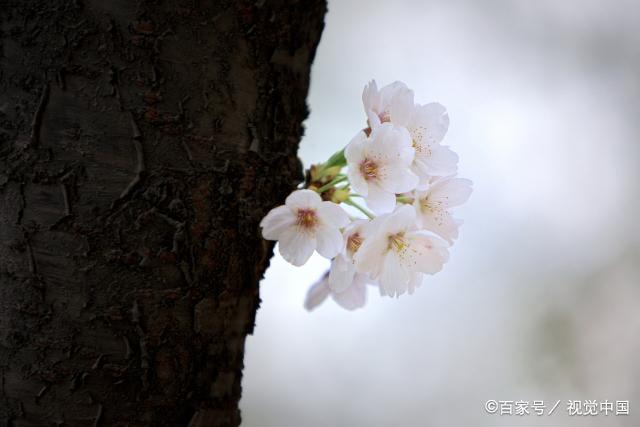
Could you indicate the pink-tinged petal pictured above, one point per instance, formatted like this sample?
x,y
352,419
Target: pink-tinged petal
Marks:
x,y
296,247
332,214
407,154
440,160
355,296
373,119
317,293
426,254
401,106
451,192
393,143
421,168
396,92
372,103
356,226
357,181
276,222
440,222
403,219
370,96
434,119
354,151
380,201
329,241
341,274
397,178
303,199
367,258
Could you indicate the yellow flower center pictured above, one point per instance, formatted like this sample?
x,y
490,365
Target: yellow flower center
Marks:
x,y
397,242
369,169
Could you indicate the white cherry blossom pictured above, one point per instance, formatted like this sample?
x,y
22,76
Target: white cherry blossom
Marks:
x,y
396,253
384,105
351,298
303,224
405,175
343,282
434,205
427,126
379,166
343,271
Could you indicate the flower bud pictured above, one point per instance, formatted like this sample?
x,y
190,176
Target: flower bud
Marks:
x,y
340,195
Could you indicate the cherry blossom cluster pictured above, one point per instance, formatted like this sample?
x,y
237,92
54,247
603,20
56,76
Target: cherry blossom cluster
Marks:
x,y
406,177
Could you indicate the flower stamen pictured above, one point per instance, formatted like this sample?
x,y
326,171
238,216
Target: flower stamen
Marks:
x,y
369,169
397,242
307,219
353,243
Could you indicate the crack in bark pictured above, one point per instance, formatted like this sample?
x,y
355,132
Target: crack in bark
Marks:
x,y
140,165
41,393
98,416
33,267
36,123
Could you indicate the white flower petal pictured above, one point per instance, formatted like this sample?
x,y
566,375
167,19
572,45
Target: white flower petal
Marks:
x,y
329,241
440,160
276,222
451,192
303,199
355,296
394,277
341,274
354,151
440,222
317,293
370,97
398,178
296,247
379,200
425,254
403,219
401,106
357,181
332,214
367,259
434,119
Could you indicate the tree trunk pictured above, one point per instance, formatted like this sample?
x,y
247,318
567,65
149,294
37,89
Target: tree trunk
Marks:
x,y
141,143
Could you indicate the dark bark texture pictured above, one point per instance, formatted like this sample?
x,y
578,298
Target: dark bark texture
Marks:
x,y
141,142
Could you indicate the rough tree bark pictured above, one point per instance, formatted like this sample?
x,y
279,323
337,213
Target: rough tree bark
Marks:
x,y
141,142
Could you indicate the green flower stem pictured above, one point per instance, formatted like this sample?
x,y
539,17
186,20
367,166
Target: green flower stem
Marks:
x,y
360,208
331,184
337,159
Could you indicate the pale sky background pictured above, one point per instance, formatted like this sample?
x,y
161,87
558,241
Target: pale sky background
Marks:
x,y
541,297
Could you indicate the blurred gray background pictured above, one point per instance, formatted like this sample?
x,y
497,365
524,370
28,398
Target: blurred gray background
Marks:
x,y
541,297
